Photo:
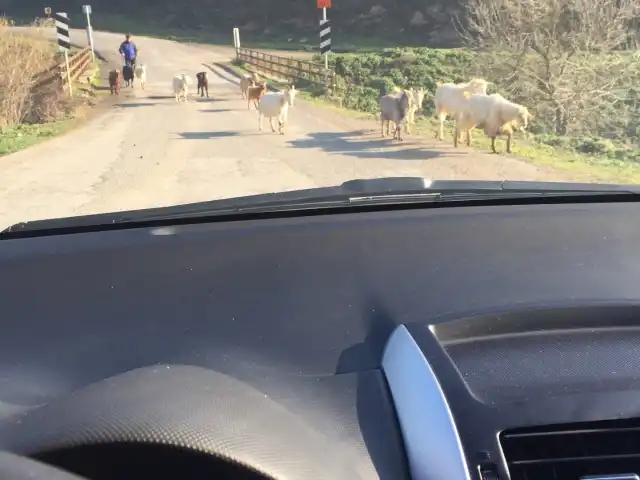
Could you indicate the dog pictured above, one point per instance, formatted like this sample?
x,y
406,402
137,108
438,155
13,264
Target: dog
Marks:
x,y
127,75
114,82
203,83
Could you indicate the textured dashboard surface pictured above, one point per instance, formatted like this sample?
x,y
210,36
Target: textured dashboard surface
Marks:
x,y
188,407
298,309
15,467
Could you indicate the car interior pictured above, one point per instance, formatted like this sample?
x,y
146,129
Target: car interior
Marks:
x,y
492,340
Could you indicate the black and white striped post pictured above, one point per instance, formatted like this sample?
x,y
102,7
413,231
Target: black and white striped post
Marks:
x,y
325,32
64,39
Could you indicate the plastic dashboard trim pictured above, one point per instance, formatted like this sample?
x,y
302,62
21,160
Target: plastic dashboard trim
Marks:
x,y
431,438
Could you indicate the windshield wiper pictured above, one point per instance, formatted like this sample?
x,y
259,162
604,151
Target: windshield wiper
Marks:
x,y
387,190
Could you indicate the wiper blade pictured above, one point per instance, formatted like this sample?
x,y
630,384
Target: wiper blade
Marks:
x,y
377,190
412,184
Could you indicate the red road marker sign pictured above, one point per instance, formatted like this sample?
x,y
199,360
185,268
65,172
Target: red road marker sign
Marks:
x,y
324,3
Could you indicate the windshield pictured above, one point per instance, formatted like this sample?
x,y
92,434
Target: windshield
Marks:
x,y
138,105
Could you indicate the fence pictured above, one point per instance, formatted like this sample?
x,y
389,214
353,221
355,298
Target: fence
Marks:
x,y
287,68
78,64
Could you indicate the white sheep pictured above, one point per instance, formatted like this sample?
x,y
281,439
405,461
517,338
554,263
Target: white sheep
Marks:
x,y
276,105
495,114
141,74
394,108
417,97
181,87
449,98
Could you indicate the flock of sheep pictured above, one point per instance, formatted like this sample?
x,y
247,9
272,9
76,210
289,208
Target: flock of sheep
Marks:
x,y
273,105
128,75
469,105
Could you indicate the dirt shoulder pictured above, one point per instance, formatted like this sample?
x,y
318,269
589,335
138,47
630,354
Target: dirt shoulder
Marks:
x,y
454,163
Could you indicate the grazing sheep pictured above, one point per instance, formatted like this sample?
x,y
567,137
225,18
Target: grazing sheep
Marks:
x,y
203,83
394,108
450,96
180,87
141,74
248,81
114,82
127,75
276,105
255,93
495,113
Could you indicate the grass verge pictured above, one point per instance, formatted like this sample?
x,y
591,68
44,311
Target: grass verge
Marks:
x,y
18,137
86,94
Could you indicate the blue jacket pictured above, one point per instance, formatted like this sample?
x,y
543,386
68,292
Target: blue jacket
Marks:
x,y
129,49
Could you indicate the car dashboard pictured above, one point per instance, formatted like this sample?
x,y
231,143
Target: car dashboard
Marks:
x,y
457,343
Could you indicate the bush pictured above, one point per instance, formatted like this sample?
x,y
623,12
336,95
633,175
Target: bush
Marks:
x,y
362,78
22,60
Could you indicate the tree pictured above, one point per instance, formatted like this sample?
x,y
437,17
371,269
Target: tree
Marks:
x,y
565,57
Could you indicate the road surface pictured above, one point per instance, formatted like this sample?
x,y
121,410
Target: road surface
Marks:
x,y
149,151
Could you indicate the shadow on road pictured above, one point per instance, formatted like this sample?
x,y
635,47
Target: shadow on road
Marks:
x,y
161,97
207,135
134,105
362,147
217,110
230,79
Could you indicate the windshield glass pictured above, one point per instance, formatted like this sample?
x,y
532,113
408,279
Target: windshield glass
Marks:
x,y
126,106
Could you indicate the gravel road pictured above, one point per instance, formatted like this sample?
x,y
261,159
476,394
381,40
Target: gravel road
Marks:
x,y
148,151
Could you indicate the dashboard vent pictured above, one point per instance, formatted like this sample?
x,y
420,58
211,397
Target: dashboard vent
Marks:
x,y
607,449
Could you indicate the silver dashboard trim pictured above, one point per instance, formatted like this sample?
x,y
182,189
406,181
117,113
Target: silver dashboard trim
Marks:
x,y
431,438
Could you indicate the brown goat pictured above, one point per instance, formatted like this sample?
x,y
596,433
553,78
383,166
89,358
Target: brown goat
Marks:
x,y
114,82
255,93
248,81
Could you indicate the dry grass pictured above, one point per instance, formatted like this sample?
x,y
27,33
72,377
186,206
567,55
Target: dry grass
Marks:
x,y
22,60
32,110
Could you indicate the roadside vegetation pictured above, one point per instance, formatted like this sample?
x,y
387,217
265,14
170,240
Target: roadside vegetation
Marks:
x,y
29,110
571,62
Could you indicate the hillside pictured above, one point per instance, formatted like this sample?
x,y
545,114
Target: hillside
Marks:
x,y
388,22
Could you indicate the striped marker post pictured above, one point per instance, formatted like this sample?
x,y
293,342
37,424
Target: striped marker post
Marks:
x,y
64,41
325,38
62,31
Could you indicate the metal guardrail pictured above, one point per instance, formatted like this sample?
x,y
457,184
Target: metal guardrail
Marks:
x,y
78,64
287,68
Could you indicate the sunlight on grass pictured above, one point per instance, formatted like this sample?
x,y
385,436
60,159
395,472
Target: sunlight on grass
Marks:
x,y
19,137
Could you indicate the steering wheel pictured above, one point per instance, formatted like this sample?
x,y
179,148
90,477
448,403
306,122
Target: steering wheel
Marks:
x,y
16,467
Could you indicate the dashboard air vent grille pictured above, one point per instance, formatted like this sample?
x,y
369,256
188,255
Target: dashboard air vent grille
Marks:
x,y
573,451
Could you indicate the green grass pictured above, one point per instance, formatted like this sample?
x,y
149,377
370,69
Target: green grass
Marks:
x,y
19,137
601,168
